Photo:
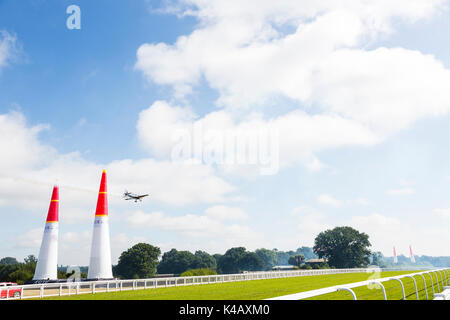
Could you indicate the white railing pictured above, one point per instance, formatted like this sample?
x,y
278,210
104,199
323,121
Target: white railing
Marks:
x,y
84,287
441,276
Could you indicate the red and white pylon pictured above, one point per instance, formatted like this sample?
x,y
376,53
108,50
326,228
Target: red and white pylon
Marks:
x,y
411,255
395,256
47,265
100,262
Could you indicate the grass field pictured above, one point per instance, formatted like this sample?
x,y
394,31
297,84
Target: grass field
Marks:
x,y
263,289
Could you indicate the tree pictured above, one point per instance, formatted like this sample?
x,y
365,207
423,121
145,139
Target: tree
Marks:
x,y
9,261
238,259
307,252
204,260
296,260
198,272
20,272
378,259
251,262
31,259
343,247
269,257
138,262
282,258
176,262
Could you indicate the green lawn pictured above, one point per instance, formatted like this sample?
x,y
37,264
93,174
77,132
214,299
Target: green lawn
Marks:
x,y
262,289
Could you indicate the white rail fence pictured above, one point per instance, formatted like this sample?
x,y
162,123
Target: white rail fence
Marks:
x,y
441,277
85,287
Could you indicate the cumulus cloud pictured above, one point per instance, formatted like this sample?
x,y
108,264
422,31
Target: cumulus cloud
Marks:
x,y
189,225
401,192
243,53
8,47
163,128
29,168
226,213
29,239
442,212
313,54
328,200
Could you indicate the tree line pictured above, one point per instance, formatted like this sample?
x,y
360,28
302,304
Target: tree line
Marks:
x,y
141,261
341,247
12,270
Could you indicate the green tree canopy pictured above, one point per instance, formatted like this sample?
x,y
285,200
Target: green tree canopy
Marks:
x,y
204,260
296,260
344,247
236,260
307,252
269,257
138,262
378,259
18,272
9,261
176,262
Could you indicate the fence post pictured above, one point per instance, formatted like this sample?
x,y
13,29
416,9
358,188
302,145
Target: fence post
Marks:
x,y
425,285
60,290
431,278
93,287
349,290
41,292
403,288
437,281
442,279
382,288
415,286
77,289
446,270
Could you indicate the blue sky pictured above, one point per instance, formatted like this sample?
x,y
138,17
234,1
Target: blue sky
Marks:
x,y
359,97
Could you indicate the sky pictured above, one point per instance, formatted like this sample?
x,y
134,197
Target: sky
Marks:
x,y
256,124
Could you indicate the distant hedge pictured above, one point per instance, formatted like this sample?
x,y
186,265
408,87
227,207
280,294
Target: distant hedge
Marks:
x,y
198,272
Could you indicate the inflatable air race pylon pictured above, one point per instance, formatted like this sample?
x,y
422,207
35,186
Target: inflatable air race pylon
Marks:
x,y
100,263
395,256
47,265
411,255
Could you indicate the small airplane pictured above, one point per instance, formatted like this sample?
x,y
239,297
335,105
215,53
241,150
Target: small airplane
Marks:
x,y
132,196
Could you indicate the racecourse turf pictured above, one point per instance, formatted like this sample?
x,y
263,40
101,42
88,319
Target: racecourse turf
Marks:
x,y
263,289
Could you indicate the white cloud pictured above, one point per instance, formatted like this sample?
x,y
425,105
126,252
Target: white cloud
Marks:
x,y
30,239
30,168
384,232
385,89
242,53
387,231
189,225
328,200
309,223
348,95
359,201
401,191
442,212
8,47
226,213
294,136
